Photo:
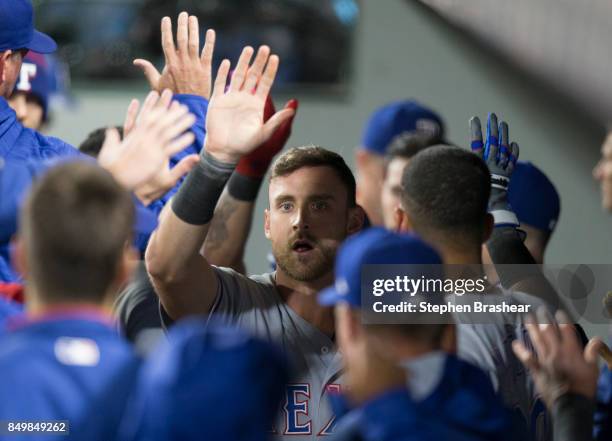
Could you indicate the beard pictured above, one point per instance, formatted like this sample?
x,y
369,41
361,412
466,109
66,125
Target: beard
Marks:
x,y
318,262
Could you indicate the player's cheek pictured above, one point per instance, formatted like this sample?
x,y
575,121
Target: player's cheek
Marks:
x,y
606,171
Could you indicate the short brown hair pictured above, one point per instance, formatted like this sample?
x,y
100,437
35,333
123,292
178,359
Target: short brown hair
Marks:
x,y
315,156
408,144
75,223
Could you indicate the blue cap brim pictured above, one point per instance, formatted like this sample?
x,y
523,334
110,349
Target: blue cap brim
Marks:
x,y
146,221
42,43
329,297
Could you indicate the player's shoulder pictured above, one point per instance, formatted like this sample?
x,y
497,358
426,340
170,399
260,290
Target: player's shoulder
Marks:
x,y
520,297
240,294
265,282
48,339
51,147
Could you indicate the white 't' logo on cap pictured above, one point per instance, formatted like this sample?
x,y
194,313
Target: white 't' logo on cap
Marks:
x,y
27,72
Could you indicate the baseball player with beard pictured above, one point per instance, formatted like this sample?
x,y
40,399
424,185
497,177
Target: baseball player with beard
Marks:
x,y
312,209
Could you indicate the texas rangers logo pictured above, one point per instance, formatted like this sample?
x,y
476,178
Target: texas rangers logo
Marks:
x,y
26,75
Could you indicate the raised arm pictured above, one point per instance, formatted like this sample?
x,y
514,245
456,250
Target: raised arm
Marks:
x,y
513,262
188,74
235,126
231,224
564,374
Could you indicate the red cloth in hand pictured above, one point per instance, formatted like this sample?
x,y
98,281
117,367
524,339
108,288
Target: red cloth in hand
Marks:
x,y
12,291
256,163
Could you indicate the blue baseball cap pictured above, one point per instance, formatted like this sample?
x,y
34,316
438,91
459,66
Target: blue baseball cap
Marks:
x,y
17,28
533,197
35,79
208,381
396,119
378,246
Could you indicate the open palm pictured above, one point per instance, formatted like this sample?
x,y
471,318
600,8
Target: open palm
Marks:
x,y
235,119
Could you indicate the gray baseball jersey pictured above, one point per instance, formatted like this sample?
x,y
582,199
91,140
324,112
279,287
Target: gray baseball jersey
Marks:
x,y
253,303
489,346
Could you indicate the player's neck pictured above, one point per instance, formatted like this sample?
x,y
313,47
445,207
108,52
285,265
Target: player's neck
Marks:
x,y
38,304
302,298
452,256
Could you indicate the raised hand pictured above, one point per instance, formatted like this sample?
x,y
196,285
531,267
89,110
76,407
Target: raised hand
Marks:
x,y
500,156
559,365
497,152
141,159
235,120
187,70
256,163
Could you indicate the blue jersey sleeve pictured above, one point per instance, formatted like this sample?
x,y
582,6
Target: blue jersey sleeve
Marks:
x,y
20,143
603,411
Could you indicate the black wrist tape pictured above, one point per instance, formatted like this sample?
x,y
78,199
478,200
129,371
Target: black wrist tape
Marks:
x,y
243,188
197,198
506,248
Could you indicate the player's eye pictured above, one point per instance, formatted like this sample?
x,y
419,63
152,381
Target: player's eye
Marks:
x,y
319,205
285,206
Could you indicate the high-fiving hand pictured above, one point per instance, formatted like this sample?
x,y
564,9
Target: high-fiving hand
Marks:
x,y
158,132
500,156
187,70
235,120
558,364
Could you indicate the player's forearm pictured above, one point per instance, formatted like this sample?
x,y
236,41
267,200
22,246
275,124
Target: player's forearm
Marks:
x,y
516,267
184,279
572,416
229,232
173,247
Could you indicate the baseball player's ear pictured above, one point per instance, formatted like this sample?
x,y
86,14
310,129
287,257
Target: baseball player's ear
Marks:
x,y
267,223
3,57
402,223
127,266
347,325
356,219
488,227
18,256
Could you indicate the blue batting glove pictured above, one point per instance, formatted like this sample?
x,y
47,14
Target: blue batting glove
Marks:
x,y
500,156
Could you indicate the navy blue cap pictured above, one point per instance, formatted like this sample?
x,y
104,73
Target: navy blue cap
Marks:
x,y
209,381
35,79
396,119
17,28
377,246
533,197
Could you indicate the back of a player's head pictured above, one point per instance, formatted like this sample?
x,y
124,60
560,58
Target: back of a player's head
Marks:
x,y
95,140
208,381
315,156
75,226
395,119
445,193
534,198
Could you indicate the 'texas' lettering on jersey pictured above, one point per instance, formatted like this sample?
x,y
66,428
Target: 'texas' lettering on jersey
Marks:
x,y
297,413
